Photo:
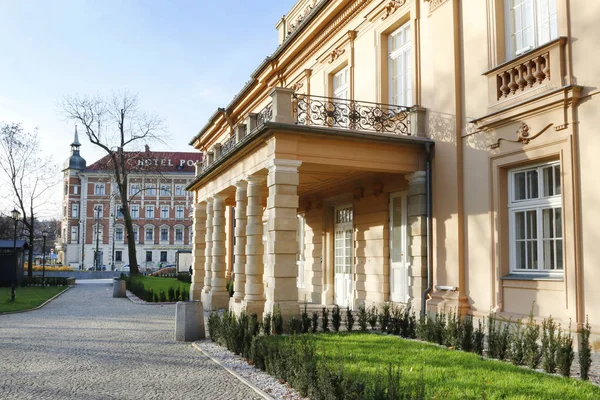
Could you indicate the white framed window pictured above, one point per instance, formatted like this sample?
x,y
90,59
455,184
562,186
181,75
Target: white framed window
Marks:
x,y
119,212
99,230
119,256
74,234
149,212
135,211
165,190
530,23
75,189
163,256
179,212
75,210
98,211
164,234
149,233
134,189
400,66
99,189
535,220
119,233
341,93
136,234
164,212
150,190
179,234
179,190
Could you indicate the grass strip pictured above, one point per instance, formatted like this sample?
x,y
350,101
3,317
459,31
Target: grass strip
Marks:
x,y
27,298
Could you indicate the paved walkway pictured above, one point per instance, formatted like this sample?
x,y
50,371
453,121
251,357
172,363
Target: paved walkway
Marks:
x,y
87,345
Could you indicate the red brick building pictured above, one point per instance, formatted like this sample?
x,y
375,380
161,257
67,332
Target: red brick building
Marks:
x,y
159,206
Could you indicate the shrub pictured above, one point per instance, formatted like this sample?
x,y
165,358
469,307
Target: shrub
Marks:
x,y
305,320
466,339
409,322
178,294
349,319
229,286
184,277
516,348
163,296
565,354
294,325
336,318
267,324
171,294
314,322
585,350
214,324
549,345
155,297
531,349
373,317
277,323
384,317
325,320
453,331
395,324
362,317
185,294
478,338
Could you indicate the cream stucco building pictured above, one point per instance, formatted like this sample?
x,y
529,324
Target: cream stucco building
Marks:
x,y
433,152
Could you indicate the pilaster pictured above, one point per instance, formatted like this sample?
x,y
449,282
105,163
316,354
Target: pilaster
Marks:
x,y
239,250
208,254
417,236
198,251
219,295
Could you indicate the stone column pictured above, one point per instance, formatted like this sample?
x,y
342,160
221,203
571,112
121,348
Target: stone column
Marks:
x,y
282,105
218,291
282,243
417,236
198,251
254,299
208,254
239,250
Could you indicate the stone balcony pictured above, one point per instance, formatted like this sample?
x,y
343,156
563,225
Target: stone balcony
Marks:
x,y
321,113
528,76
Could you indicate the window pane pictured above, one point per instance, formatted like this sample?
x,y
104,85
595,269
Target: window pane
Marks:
x,y
532,184
519,186
521,254
559,254
548,223
531,225
519,225
532,254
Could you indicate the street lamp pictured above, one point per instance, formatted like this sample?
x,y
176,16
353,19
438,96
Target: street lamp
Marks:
x,y
97,255
44,235
15,214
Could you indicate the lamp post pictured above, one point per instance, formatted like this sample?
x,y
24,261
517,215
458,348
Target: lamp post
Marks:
x,y
97,255
112,253
44,235
15,214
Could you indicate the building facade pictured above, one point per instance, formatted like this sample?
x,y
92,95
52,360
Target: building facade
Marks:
x,y
92,229
438,153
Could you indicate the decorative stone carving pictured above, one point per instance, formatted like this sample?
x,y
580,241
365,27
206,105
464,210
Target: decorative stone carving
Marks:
x,y
523,135
433,4
391,8
335,54
300,17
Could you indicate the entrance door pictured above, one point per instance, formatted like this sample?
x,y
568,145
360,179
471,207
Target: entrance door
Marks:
x,y
398,253
344,255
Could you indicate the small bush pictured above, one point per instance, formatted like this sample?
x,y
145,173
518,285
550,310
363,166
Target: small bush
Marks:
x,y
185,294
336,318
565,354
171,294
516,348
305,320
149,295
229,286
294,325
373,317
325,320
466,339
155,297
184,277
385,317
163,296
549,345
314,322
277,323
267,324
362,317
531,348
585,350
349,319
453,331
214,324
478,338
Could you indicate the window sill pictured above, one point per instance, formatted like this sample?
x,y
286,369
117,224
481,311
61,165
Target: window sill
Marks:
x,y
532,277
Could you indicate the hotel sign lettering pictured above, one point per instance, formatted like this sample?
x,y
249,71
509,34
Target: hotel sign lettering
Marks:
x,y
165,162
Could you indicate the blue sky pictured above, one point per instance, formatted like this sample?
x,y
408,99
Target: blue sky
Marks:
x,y
183,58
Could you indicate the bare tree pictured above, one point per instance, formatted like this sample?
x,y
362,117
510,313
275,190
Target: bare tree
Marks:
x,y
30,176
118,127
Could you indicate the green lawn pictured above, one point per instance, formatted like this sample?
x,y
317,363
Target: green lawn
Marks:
x,y
448,374
27,297
157,284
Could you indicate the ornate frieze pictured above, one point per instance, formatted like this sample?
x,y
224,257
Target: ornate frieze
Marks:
x,y
433,4
292,26
523,135
391,8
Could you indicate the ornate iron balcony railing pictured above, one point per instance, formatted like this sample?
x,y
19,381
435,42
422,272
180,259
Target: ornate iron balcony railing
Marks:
x,y
352,114
265,115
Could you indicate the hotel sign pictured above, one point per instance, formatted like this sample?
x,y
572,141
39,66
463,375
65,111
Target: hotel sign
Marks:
x,y
165,162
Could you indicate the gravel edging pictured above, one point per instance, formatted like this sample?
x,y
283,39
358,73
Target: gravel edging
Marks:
x,y
38,307
261,382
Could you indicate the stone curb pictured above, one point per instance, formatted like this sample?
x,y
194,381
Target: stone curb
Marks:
x,y
235,374
38,307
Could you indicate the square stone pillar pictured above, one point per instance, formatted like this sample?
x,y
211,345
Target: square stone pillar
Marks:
x,y
251,122
254,300
239,249
417,236
208,254
219,296
282,241
198,251
283,111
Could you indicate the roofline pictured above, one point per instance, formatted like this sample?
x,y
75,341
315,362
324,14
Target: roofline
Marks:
x,y
284,45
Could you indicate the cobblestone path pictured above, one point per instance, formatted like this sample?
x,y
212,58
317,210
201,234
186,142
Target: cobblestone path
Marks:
x,y
87,345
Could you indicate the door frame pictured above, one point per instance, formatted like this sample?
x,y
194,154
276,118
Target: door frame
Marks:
x,y
350,297
403,195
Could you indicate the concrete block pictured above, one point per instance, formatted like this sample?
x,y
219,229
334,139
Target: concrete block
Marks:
x,y
189,321
119,288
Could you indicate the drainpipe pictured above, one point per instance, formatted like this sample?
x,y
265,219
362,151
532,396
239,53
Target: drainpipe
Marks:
x,y
428,205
